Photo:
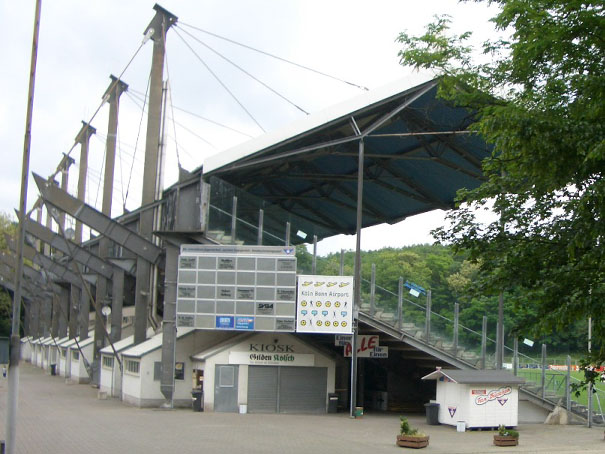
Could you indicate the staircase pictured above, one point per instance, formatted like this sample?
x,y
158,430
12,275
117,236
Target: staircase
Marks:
x,y
443,350
221,237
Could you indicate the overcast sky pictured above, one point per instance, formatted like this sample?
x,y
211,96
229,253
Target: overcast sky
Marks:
x,y
83,42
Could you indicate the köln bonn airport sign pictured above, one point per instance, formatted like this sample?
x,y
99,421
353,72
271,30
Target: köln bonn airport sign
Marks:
x,y
254,288
324,304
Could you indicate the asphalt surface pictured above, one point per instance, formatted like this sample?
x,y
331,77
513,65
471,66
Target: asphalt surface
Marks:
x,y
55,417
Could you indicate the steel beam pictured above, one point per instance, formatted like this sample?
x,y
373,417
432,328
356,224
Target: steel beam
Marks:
x,y
75,252
98,221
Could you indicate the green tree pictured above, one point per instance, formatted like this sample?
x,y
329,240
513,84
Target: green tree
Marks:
x,y
7,226
539,103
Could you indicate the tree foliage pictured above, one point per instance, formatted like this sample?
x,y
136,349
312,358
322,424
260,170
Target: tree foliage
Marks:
x,y
7,226
539,102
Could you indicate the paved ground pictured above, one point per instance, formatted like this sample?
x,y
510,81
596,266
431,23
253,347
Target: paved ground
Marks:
x,y
55,417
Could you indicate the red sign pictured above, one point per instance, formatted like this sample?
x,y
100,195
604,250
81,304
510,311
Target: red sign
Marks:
x,y
365,344
494,394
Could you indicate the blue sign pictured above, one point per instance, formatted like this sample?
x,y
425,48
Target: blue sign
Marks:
x,y
224,321
244,323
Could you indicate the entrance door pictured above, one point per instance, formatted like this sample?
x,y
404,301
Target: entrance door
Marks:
x,y
225,388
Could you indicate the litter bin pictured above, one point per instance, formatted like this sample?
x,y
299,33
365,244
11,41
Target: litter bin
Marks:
x,y
332,403
53,369
432,413
197,396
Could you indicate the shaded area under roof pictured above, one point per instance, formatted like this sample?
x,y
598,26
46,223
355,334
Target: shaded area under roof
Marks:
x,y
418,153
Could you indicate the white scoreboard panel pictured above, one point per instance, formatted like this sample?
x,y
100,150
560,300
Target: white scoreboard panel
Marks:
x,y
325,304
246,288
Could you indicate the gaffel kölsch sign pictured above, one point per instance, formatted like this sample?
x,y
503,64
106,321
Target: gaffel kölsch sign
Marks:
x,y
271,355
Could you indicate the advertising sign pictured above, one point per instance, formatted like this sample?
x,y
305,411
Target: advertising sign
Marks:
x,y
272,359
494,394
224,322
244,323
367,347
340,340
324,304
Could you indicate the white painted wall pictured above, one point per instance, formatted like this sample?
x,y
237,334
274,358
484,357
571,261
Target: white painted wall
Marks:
x,y
26,350
64,362
144,391
78,373
490,414
244,346
131,388
106,380
32,353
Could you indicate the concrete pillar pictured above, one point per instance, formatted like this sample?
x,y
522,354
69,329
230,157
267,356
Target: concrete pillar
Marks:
x,y
46,317
66,162
112,94
27,313
84,310
74,310
83,138
34,310
152,168
169,324
63,311
117,302
54,316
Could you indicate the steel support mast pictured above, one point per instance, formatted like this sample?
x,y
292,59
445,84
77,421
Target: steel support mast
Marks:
x,y
15,340
157,28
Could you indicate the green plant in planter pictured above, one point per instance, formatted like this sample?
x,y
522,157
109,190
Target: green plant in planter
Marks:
x,y
506,437
406,429
409,437
504,432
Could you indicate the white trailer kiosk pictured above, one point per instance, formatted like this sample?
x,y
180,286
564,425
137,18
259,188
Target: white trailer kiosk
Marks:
x,y
477,398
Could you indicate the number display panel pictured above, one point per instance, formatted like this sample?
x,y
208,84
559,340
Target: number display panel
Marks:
x,y
247,288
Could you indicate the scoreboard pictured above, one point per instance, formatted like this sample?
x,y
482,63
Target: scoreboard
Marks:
x,y
232,287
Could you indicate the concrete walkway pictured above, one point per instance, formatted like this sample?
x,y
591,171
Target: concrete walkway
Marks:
x,y
55,417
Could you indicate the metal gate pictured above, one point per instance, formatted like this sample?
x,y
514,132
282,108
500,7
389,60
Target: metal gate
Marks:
x,y
262,389
273,389
225,388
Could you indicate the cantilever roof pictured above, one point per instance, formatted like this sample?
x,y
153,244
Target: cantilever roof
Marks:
x,y
417,149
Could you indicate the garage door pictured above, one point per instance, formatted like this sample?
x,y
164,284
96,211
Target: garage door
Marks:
x,y
262,389
274,389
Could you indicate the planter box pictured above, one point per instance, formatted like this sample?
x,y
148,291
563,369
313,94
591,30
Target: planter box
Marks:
x,y
505,440
406,441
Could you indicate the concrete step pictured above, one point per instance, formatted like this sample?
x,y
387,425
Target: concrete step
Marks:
x,y
387,316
